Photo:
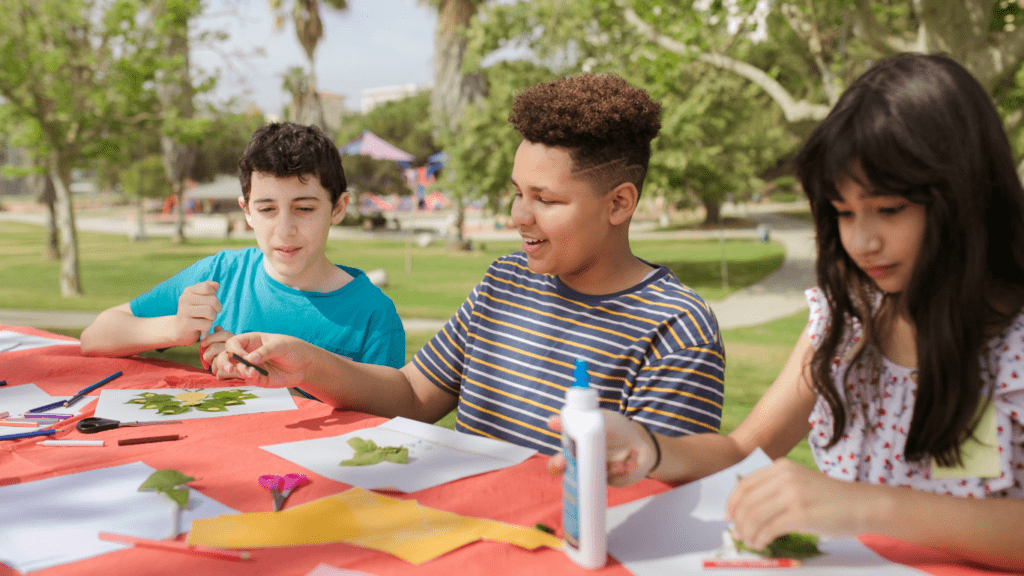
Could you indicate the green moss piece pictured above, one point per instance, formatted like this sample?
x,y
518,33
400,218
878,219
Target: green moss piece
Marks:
x,y
793,545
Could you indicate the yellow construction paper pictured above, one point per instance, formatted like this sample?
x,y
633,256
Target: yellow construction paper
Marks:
x,y
980,453
401,527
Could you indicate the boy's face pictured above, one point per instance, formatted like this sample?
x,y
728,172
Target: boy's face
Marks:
x,y
564,223
291,219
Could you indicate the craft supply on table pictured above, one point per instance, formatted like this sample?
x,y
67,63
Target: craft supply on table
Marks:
x,y
149,440
19,423
80,443
584,481
29,434
282,486
4,414
49,416
88,389
93,424
755,563
38,409
259,369
176,546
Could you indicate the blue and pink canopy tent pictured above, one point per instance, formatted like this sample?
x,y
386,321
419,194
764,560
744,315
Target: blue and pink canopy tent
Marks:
x,y
369,144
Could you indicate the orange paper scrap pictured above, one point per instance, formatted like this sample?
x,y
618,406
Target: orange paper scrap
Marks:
x,y
412,532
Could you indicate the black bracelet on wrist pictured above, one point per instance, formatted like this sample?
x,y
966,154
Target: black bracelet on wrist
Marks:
x,y
657,448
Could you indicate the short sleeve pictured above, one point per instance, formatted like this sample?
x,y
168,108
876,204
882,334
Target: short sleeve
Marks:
x,y
162,299
682,393
818,322
442,359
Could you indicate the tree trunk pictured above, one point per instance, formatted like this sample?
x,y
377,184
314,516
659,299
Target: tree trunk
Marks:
x,y
60,173
140,219
456,241
42,186
712,211
452,90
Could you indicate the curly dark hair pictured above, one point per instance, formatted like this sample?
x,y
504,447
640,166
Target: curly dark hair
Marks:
x,y
286,149
606,124
921,127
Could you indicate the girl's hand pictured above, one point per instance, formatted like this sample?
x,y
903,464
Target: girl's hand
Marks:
x,y
285,358
630,451
787,497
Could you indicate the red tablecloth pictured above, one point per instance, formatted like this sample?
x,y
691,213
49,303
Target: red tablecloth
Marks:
x,y
224,453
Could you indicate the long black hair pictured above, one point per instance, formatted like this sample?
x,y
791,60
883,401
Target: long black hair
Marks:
x,y
921,127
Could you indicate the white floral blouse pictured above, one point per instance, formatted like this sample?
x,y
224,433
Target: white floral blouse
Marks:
x,y
873,451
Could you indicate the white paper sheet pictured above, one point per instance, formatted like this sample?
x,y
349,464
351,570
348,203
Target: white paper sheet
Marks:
x,y
18,399
58,520
436,456
112,404
674,532
11,341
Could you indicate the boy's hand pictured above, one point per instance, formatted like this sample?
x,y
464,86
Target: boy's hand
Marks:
x,y
198,307
285,358
211,350
625,442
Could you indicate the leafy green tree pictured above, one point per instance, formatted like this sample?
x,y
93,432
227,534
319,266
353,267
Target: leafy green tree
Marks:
x,y
309,29
78,76
144,178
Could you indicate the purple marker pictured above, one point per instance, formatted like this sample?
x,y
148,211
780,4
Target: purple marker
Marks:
x,y
57,416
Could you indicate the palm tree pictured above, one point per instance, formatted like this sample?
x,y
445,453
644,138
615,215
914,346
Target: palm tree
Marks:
x,y
309,30
453,90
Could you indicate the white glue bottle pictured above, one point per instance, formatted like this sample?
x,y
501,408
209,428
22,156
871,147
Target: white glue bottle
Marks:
x,y
584,482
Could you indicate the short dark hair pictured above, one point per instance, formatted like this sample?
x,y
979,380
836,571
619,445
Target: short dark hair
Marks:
x,y
286,149
606,124
921,127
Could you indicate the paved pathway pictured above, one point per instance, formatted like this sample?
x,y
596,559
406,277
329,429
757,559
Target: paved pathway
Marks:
x,y
776,296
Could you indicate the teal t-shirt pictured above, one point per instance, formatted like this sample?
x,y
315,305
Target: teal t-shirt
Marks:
x,y
356,321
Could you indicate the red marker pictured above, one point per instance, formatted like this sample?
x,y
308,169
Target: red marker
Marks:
x,y
754,563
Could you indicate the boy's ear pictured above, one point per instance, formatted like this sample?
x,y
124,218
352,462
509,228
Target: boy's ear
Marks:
x,y
623,199
245,208
338,214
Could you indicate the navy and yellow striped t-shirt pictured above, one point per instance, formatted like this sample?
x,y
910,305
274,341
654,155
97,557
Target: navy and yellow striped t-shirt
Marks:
x,y
654,354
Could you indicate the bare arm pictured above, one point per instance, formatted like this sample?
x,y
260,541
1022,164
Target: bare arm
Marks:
x,y
340,382
776,424
118,332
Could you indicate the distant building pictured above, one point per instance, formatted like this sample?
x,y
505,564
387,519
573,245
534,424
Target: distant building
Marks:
x,y
376,96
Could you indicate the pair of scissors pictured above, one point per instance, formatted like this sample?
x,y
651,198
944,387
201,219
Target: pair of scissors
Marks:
x,y
93,424
281,486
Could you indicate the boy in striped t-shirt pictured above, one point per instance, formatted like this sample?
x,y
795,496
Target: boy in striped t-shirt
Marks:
x,y
575,290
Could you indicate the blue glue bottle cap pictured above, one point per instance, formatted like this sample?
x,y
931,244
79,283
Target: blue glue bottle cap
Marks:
x,y
581,378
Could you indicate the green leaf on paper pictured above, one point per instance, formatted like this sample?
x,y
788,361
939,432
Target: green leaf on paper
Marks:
x,y
368,453
185,401
791,545
168,481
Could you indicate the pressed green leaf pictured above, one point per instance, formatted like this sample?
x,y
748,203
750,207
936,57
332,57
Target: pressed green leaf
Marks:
x,y
368,453
165,479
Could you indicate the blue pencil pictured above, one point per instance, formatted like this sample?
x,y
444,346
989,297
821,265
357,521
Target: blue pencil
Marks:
x,y
88,389
58,404
28,434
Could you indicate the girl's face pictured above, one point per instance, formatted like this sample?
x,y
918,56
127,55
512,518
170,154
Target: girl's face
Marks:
x,y
291,219
563,222
881,233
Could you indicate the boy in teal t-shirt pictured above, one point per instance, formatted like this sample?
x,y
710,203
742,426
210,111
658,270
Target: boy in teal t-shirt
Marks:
x,y
293,190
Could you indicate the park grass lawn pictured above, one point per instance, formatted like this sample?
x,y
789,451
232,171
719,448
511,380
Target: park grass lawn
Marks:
x,y
115,270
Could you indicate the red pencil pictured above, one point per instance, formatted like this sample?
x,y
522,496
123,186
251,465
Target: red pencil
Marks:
x,y
754,563
176,546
